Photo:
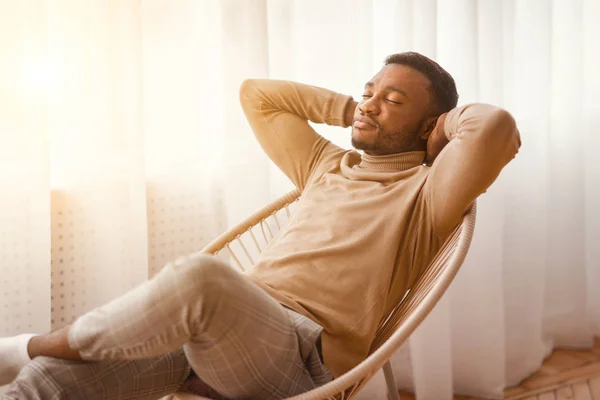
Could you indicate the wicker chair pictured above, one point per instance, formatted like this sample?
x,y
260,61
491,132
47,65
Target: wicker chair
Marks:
x,y
242,244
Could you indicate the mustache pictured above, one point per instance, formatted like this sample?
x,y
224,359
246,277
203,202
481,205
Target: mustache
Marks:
x,y
369,120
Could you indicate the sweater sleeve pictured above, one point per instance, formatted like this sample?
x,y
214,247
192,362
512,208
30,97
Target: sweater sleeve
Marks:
x,y
279,112
483,139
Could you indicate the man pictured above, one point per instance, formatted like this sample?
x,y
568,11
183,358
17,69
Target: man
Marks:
x,y
365,227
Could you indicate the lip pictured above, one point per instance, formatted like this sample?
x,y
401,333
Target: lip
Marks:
x,y
364,123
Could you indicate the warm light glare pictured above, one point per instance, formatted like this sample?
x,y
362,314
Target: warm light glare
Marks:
x,y
40,77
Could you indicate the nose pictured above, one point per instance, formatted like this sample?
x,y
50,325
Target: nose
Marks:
x,y
369,106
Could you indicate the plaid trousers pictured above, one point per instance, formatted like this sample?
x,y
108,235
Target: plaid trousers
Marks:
x,y
196,314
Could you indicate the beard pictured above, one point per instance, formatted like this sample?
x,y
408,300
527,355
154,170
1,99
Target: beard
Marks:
x,y
386,142
363,145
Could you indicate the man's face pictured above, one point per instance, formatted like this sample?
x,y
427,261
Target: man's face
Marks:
x,y
395,112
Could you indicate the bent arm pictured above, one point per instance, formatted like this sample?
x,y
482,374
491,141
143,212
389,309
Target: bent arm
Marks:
x,y
279,112
482,140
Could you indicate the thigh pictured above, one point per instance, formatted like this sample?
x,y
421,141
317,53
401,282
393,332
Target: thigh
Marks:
x,y
249,348
50,378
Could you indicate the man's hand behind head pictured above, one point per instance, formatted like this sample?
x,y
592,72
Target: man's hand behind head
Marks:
x,y
437,140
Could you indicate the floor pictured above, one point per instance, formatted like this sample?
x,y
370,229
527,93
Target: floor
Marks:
x,y
565,375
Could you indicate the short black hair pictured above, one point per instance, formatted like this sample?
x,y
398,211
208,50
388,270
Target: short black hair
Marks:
x,y
443,87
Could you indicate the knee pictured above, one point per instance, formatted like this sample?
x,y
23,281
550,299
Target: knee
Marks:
x,y
203,273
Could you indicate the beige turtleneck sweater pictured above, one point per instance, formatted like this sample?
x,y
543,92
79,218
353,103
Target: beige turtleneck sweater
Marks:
x,y
365,226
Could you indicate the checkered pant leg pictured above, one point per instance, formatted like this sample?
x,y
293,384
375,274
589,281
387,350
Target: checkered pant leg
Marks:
x,y
53,379
238,339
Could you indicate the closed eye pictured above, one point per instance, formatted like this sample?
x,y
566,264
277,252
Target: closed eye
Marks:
x,y
393,102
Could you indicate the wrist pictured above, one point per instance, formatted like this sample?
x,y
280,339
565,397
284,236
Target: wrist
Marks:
x,y
349,112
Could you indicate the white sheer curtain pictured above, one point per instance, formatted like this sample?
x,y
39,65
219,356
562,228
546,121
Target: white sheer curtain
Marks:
x,y
122,145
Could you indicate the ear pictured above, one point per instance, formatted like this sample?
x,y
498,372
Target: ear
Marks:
x,y
427,127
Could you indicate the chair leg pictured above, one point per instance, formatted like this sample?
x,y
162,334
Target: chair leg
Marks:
x,y
391,381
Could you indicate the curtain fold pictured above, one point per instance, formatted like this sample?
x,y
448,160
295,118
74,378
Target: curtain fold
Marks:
x,y
123,145
24,174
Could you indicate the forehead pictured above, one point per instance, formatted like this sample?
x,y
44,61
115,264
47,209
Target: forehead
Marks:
x,y
402,76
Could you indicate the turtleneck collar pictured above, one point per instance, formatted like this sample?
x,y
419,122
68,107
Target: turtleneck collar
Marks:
x,y
392,162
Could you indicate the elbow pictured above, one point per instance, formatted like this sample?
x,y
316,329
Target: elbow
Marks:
x,y
255,94
503,132
502,121
248,89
